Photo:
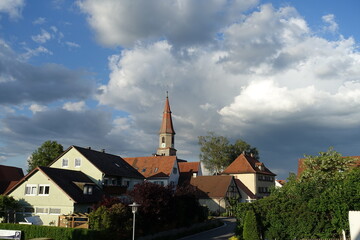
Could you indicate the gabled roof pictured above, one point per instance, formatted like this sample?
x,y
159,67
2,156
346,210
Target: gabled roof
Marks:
x,y
9,176
211,186
167,125
245,189
153,166
192,167
70,181
109,164
247,164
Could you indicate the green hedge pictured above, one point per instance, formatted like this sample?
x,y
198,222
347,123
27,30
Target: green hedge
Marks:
x,y
56,233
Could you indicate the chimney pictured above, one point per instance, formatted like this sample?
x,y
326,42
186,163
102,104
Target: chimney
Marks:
x,y
103,150
88,148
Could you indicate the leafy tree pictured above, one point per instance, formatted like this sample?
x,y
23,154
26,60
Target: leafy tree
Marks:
x,y
44,155
329,165
216,152
7,204
250,231
312,206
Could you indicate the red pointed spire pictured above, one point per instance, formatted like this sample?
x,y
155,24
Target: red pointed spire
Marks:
x,y
167,125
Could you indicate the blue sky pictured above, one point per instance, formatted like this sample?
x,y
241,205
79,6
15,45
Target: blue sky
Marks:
x,y
281,75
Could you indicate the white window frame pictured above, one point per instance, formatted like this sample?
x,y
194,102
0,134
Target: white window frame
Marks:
x,y
55,211
44,186
44,210
77,162
88,189
65,160
33,189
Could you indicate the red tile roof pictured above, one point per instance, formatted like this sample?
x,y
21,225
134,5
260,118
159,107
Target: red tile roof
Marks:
x,y
9,176
189,167
211,186
247,164
153,166
282,182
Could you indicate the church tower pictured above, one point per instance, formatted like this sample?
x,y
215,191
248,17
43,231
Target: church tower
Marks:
x,y
167,133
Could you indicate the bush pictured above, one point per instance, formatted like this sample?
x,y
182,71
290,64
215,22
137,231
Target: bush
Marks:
x,y
58,233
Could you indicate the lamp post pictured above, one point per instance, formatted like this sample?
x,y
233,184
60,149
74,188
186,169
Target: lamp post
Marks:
x,y
134,207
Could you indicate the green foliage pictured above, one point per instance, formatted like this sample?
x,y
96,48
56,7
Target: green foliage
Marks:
x,y
250,231
217,153
115,220
58,233
312,206
7,203
44,155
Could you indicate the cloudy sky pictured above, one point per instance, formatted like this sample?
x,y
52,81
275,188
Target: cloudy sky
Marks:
x,y
282,75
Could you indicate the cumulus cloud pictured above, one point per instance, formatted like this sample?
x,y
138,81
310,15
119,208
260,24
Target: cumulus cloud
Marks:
x,y
181,22
34,108
270,79
12,7
332,25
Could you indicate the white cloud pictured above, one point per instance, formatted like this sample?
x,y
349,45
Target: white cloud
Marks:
x,y
72,44
37,108
75,106
182,22
43,37
12,7
39,21
332,25
34,52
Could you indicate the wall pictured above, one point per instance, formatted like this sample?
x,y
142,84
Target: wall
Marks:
x,y
56,199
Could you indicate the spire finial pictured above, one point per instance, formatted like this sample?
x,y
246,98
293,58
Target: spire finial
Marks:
x,y
167,94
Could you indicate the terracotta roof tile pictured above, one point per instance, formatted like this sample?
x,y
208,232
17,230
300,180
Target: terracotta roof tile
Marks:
x,y
153,166
189,167
211,186
247,164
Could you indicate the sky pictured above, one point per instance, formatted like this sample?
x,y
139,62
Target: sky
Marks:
x,y
283,76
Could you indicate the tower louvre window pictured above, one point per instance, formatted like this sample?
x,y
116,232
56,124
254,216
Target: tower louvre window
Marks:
x,y
163,140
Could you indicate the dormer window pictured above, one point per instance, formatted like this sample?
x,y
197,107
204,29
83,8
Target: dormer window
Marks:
x,y
88,190
174,170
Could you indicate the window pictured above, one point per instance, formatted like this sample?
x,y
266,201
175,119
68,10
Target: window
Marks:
x,y
31,189
42,210
29,210
54,210
65,162
113,181
77,162
174,170
44,189
163,140
161,183
106,181
88,190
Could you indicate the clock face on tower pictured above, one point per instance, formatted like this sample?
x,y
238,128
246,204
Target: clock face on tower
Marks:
x,y
163,145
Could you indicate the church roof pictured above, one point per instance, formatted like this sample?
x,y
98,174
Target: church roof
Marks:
x,y
247,164
167,125
153,166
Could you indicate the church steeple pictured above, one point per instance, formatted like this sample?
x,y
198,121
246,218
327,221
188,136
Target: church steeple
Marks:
x,y
166,134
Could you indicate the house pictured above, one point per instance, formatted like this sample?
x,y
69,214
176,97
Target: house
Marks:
x,y
247,195
110,172
215,191
253,174
9,176
162,170
50,192
188,170
279,183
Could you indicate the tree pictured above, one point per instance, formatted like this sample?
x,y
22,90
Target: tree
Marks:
x,y
250,231
44,155
326,166
216,152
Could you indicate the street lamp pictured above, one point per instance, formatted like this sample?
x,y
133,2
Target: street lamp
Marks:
x,y
134,207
